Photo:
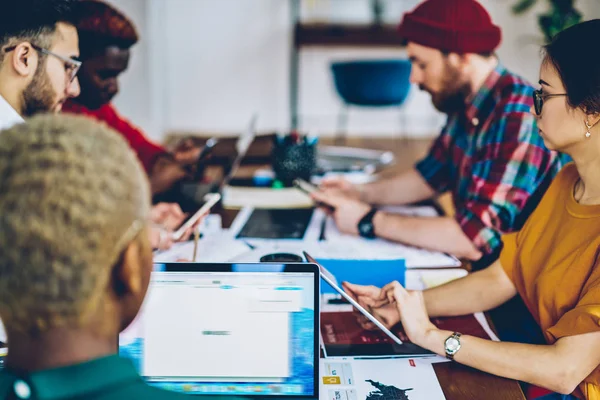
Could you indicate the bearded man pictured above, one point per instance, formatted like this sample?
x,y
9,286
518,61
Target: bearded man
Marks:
x,y
489,155
39,50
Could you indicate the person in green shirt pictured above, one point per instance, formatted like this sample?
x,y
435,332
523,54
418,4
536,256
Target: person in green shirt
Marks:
x,y
75,260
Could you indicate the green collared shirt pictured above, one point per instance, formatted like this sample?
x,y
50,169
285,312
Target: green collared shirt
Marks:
x,y
105,378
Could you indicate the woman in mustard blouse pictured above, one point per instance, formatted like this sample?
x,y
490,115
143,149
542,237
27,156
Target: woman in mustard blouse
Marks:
x,y
552,263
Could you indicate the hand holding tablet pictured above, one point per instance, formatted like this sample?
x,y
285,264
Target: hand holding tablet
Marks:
x,y
330,279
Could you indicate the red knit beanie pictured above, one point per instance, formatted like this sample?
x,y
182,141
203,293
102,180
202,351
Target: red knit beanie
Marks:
x,y
455,26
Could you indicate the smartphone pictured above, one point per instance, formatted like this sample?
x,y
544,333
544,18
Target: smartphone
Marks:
x,y
210,200
306,187
309,188
329,278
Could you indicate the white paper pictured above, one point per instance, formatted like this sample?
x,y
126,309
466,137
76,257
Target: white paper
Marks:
x,y
239,197
345,246
381,379
480,317
213,247
2,333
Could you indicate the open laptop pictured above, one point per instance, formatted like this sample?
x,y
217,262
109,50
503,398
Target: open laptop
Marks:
x,y
229,329
198,191
190,195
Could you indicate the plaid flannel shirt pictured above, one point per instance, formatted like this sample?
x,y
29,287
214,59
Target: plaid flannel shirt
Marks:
x,y
493,160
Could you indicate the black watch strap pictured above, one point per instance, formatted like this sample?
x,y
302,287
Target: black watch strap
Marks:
x,y
366,228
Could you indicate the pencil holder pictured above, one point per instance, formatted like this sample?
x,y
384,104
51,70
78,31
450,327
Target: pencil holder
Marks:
x,y
294,157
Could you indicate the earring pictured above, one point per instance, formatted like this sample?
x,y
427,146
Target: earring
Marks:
x,y
589,127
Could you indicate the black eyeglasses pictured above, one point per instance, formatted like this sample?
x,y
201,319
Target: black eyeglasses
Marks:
x,y
72,66
539,97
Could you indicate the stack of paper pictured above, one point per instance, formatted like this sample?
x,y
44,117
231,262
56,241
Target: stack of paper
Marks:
x,y
235,197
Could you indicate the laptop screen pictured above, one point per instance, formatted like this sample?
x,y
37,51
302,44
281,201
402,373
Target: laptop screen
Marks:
x,y
241,148
247,331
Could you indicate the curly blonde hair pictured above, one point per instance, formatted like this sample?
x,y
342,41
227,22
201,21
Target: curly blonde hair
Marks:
x,y
72,196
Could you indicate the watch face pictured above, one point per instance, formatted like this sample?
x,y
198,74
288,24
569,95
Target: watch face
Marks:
x,y
452,344
364,228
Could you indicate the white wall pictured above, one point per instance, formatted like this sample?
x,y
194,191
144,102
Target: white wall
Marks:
x,y
134,97
207,65
227,59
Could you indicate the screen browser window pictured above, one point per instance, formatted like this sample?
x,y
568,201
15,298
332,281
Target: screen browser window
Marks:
x,y
238,333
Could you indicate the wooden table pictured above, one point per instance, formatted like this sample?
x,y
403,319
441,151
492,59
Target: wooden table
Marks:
x,y
457,381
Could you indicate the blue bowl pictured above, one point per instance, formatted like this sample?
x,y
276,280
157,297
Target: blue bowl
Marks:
x,y
375,83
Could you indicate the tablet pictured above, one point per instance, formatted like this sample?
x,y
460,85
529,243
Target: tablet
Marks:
x,y
330,279
210,200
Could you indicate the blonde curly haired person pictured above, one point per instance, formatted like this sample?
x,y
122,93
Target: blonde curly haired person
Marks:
x,y
75,259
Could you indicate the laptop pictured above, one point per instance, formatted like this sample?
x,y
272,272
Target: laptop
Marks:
x,y
190,195
198,191
248,330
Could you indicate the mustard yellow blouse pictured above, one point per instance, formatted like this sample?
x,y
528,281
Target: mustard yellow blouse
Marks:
x,y
553,262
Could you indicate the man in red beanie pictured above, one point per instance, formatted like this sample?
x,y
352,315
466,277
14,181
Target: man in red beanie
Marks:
x,y
489,155
106,36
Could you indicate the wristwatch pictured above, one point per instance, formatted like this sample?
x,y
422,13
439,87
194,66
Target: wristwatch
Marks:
x,y
452,345
365,225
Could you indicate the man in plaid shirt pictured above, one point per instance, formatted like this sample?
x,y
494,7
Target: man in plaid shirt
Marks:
x,y
489,155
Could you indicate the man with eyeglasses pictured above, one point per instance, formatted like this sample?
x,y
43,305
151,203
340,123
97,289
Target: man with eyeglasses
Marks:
x,y
39,50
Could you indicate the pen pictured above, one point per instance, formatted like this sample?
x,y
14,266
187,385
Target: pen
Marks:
x,y
323,227
196,238
294,137
249,245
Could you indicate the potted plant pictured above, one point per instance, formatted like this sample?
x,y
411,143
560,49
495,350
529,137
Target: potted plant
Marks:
x,y
562,14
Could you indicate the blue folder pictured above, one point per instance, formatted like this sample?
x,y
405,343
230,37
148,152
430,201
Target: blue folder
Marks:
x,y
363,272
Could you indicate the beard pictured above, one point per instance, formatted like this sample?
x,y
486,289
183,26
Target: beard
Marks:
x,y
455,90
39,96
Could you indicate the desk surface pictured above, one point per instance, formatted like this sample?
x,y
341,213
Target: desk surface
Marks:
x,y
457,381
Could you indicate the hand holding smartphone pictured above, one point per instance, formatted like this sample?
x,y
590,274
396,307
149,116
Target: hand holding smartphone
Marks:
x,y
309,188
306,187
211,199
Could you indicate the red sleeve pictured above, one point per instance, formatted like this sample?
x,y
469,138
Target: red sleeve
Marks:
x,y
147,151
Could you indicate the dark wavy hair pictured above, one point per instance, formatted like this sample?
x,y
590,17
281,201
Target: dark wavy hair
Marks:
x,y
573,52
